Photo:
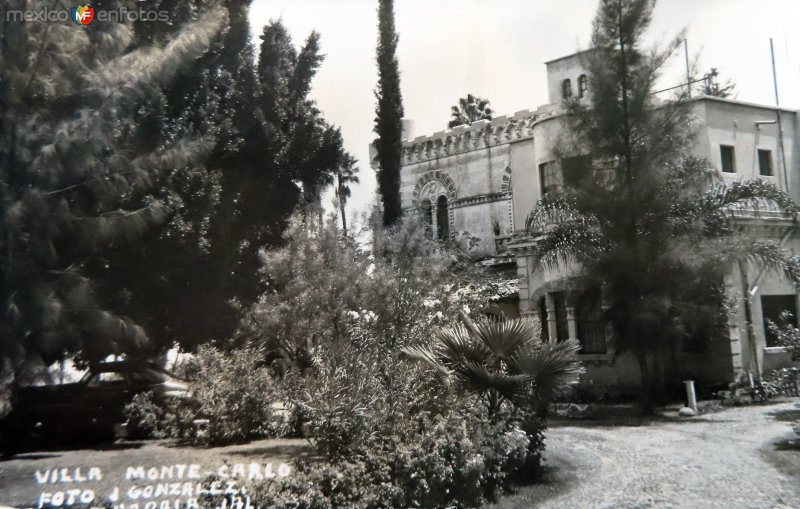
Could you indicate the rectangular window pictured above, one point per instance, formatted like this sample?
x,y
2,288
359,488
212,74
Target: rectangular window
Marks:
x,y
772,307
549,177
728,158
765,162
591,328
576,171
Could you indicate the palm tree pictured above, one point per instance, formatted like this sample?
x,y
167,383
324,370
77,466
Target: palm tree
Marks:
x,y
502,361
712,86
345,175
470,109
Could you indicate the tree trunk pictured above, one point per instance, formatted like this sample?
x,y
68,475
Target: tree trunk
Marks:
x,y
659,383
344,217
645,395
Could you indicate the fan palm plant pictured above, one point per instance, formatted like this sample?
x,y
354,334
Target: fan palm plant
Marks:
x,y
499,361
468,110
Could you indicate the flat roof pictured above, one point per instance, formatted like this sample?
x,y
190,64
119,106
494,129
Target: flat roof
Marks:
x,y
703,97
568,56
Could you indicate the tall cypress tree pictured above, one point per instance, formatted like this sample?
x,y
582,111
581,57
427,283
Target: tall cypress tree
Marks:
x,y
389,115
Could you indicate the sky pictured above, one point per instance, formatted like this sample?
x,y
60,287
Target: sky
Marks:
x,y
497,48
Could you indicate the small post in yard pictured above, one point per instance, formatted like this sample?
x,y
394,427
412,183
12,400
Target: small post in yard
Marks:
x,y
691,398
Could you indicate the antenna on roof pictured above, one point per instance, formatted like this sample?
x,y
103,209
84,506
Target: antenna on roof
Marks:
x,y
778,113
688,77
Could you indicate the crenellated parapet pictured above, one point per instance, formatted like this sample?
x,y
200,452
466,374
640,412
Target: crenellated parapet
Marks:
x,y
479,135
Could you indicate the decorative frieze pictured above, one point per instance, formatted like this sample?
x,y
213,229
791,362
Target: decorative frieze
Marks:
x,y
479,135
481,199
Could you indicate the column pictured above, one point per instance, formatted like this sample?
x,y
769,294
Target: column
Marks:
x,y
434,222
552,323
572,322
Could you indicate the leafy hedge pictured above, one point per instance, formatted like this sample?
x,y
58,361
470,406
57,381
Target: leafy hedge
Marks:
x,y
234,391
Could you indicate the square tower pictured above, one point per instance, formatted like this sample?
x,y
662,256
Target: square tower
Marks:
x,y
566,78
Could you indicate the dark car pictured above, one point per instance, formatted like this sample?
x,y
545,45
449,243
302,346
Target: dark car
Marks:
x,y
87,410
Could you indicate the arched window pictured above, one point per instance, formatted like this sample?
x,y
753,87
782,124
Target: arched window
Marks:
x,y
426,210
583,85
442,219
566,89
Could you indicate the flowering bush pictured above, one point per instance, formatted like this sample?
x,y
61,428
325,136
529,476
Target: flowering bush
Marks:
x,y
391,435
459,460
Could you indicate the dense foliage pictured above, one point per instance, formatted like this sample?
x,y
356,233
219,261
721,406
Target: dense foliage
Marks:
x,y
134,153
322,288
389,430
459,459
270,151
386,429
232,401
388,115
71,162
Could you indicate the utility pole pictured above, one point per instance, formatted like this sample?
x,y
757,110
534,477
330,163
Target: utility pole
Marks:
x,y
778,113
688,76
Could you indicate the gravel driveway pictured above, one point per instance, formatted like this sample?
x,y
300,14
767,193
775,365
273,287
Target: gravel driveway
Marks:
x,y
738,458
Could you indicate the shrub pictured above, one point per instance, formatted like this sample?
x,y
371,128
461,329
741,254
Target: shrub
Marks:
x,y
320,287
500,361
148,418
145,417
234,391
357,397
458,460
391,435
785,382
788,335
